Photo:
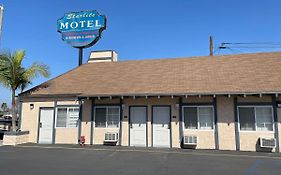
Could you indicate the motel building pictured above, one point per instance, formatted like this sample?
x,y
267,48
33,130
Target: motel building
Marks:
x,y
229,102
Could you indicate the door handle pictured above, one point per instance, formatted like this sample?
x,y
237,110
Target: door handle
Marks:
x,y
131,125
40,125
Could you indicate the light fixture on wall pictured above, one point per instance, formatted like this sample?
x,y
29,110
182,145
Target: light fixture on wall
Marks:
x,y
31,106
177,106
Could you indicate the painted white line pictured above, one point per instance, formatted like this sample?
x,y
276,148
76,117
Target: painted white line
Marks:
x,y
156,151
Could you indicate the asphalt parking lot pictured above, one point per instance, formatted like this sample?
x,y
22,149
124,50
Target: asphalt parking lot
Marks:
x,y
46,160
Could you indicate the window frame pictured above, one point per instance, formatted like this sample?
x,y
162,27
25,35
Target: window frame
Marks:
x,y
198,117
106,120
255,107
67,116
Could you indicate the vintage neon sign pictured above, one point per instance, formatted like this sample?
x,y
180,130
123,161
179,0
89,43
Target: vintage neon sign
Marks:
x,y
81,29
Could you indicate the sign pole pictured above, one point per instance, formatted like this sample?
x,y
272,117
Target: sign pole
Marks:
x,y
81,29
80,56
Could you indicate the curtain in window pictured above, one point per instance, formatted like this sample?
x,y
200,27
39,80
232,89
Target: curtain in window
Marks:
x,y
190,117
205,118
100,117
113,117
61,117
247,118
264,118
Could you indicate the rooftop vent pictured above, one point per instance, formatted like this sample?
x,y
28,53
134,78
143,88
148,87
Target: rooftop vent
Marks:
x,y
103,56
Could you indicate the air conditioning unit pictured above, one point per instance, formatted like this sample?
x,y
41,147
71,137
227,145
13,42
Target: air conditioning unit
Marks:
x,y
111,137
267,142
190,140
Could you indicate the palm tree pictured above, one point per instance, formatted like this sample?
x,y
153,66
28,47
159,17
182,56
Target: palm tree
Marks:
x,y
16,77
4,107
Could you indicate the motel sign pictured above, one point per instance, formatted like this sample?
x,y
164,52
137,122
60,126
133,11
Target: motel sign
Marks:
x,y
81,29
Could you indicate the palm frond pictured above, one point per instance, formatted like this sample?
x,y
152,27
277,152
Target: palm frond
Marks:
x,y
18,57
36,70
5,69
12,73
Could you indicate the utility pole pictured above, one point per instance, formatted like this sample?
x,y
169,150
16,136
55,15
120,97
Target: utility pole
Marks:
x,y
211,46
1,19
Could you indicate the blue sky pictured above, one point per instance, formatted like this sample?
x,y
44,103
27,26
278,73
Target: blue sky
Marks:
x,y
138,29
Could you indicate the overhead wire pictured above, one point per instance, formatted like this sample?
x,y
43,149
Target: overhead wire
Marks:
x,y
237,46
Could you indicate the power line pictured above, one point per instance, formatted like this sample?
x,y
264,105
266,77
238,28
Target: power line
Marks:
x,y
233,46
250,43
258,47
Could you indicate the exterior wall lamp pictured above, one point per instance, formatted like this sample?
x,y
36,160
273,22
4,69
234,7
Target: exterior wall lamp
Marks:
x,y
123,106
31,106
177,106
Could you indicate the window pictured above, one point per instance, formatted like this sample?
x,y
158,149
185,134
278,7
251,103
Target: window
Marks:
x,y
205,117
247,118
190,118
67,117
100,117
198,117
61,117
107,117
255,118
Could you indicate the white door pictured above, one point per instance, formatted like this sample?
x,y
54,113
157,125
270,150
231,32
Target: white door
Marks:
x,y
46,126
138,126
161,126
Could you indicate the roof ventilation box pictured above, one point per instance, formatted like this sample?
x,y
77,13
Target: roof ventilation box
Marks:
x,y
103,56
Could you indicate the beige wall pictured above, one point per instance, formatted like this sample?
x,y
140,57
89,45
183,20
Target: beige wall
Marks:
x,y
264,98
226,127
107,101
149,102
205,139
100,132
197,99
86,120
249,139
30,119
125,132
15,140
66,135
225,107
68,102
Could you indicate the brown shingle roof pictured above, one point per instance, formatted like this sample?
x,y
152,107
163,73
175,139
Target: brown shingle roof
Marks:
x,y
245,73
